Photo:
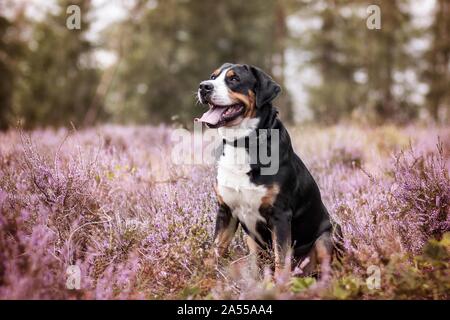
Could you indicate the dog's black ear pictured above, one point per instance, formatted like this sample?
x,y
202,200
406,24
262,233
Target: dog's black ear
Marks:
x,y
266,88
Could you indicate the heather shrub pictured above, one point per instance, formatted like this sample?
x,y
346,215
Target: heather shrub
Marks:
x,y
424,276
349,156
421,197
109,201
389,139
25,259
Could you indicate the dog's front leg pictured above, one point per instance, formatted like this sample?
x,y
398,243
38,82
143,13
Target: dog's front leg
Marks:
x,y
226,226
281,240
254,257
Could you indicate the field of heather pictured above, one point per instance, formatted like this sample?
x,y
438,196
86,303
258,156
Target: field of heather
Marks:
x,y
107,207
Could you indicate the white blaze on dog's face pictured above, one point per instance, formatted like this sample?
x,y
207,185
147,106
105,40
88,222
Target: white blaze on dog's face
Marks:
x,y
220,96
234,93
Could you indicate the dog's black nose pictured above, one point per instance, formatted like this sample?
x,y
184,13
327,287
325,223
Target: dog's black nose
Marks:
x,y
206,87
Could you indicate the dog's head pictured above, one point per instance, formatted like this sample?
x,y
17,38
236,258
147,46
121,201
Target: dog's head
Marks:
x,y
235,92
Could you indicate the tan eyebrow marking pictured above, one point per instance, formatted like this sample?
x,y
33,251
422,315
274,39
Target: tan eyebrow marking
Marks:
x,y
230,73
216,73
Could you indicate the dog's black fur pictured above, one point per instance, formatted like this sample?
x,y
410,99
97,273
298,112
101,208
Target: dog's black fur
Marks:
x,y
297,218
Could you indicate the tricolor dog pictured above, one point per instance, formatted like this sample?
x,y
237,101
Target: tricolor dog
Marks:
x,y
281,210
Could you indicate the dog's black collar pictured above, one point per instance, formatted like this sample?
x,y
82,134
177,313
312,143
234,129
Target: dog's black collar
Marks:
x,y
261,135
246,142
238,143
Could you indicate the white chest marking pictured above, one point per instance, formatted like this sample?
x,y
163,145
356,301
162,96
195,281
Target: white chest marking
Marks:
x,y
238,192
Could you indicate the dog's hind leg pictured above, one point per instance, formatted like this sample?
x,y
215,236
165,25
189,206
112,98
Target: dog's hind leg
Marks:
x,y
323,252
281,240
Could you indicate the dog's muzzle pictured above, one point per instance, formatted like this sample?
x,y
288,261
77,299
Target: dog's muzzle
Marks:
x,y
205,90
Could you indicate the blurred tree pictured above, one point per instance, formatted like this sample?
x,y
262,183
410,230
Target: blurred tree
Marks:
x,y
11,49
358,66
336,50
437,72
171,46
59,77
387,59
164,48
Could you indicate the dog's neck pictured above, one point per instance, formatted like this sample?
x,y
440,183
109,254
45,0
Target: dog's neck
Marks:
x,y
242,130
266,118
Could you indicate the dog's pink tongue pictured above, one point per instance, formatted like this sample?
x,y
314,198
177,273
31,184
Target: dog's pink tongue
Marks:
x,y
212,116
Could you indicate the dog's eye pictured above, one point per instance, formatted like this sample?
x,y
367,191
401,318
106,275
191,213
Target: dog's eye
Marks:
x,y
234,78
213,77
